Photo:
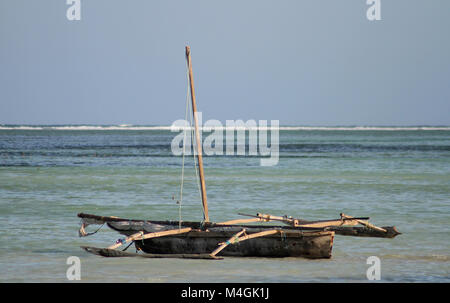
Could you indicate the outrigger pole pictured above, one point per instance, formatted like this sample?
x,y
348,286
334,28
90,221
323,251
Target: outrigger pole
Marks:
x,y
197,136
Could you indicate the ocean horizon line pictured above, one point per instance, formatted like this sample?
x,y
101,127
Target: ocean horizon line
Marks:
x,y
168,127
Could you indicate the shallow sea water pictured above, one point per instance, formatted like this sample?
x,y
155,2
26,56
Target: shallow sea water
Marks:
x,y
396,176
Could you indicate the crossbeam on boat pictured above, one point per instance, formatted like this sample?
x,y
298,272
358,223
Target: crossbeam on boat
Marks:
x,y
141,236
259,217
236,238
229,241
362,222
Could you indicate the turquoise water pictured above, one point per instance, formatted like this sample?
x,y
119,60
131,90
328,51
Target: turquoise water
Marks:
x,y
396,176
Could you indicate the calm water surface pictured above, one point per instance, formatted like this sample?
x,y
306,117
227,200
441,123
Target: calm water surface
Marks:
x,y
396,176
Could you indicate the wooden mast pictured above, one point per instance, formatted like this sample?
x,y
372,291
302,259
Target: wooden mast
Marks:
x,y
197,136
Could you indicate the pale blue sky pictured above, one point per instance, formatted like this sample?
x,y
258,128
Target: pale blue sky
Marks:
x,y
303,62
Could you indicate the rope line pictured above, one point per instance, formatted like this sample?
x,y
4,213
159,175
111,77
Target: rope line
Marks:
x,y
82,231
184,152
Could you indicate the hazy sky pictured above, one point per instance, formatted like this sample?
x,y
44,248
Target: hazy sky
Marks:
x,y
303,62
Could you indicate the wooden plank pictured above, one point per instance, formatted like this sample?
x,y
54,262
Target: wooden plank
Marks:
x,y
268,218
239,221
127,239
229,241
197,136
365,223
236,239
257,235
301,223
142,236
336,222
166,233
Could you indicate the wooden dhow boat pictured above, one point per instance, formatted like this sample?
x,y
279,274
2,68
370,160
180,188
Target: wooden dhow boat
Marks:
x,y
209,240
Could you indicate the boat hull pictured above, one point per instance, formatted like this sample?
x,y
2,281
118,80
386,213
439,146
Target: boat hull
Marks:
x,y
287,242
290,244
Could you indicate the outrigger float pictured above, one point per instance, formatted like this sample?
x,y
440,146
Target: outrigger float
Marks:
x,y
209,240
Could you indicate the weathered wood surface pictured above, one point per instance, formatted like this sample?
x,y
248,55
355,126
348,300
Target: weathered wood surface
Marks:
x,y
237,238
103,219
240,221
258,235
127,239
365,223
391,231
299,222
326,223
197,136
106,252
288,244
229,241
140,235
